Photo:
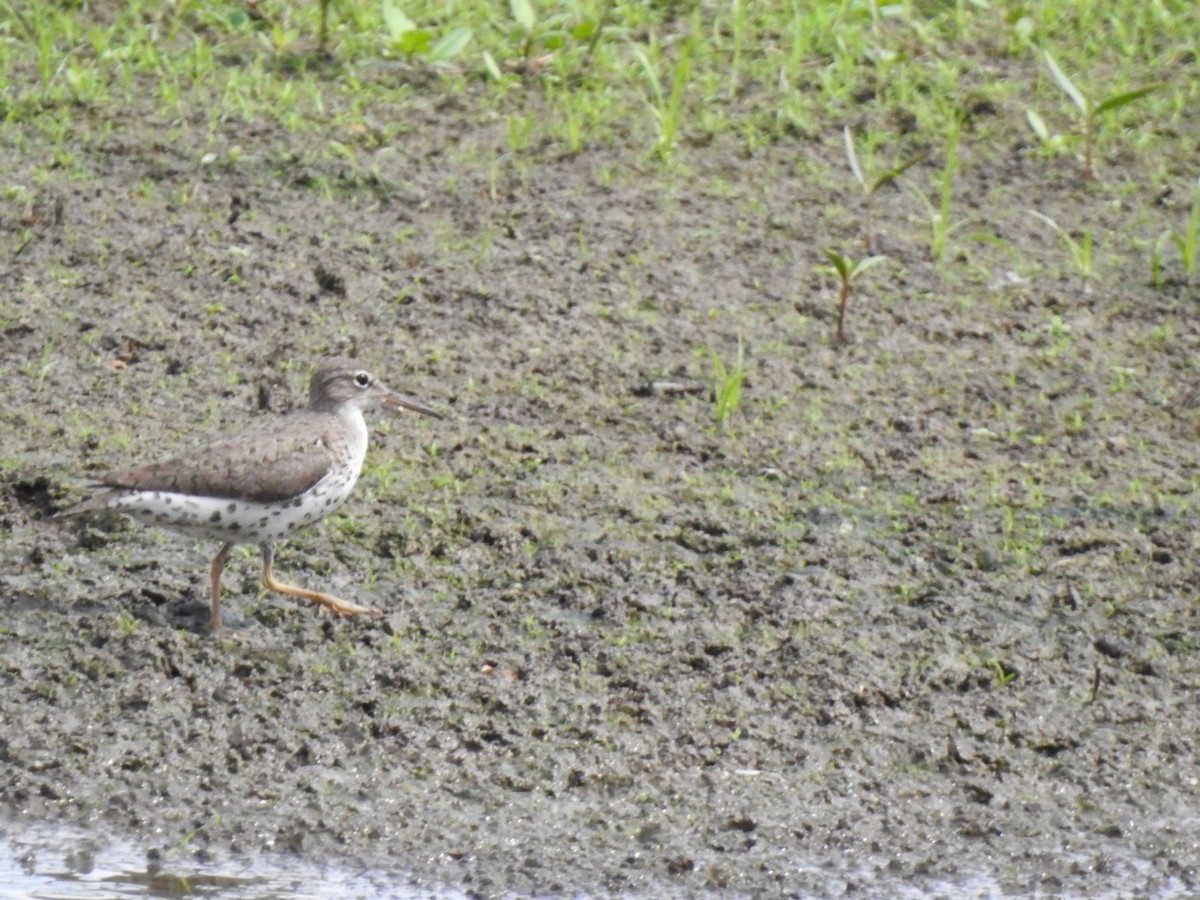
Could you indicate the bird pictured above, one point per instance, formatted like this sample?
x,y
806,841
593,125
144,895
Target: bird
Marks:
x,y
264,483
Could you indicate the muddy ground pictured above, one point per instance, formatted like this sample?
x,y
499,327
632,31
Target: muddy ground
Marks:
x,y
923,613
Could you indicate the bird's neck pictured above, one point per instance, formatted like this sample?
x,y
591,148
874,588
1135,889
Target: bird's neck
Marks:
x,y
356,430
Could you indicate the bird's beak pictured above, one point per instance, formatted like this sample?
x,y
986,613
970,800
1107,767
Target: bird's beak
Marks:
x,y
399,401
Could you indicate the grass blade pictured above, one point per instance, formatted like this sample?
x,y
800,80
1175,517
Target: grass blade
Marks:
x,y
864,264
1120,100
852,157
651,74
1038,126
893,174
1067,84
451,45
522,11
397,23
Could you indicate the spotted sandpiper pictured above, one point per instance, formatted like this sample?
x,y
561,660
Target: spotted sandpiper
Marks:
x,y
262,484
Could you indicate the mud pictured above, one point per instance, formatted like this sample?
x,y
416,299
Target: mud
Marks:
x,y
923,613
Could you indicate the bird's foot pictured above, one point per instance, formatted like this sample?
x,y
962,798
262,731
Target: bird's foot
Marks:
x,y
335,605
343,607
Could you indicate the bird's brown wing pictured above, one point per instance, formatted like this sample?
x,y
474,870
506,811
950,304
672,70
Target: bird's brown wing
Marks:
x,y
264,464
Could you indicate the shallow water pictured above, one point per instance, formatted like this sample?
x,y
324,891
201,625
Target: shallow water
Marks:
x,y
60,863
53,863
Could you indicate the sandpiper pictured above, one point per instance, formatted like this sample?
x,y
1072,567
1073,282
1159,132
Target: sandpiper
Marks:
x,y
261,485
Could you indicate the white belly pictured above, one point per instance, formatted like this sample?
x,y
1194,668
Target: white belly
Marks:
x,y
239,521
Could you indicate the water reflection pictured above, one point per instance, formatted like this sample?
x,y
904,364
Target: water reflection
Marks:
x,y
60,863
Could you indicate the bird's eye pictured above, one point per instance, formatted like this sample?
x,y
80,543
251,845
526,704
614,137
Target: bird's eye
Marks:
x,y
362,379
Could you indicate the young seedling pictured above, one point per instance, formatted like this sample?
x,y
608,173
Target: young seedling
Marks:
x,y
727,385
412,40
739,24
526,19
591,29
1052,142
539,40
940,226
1156,259
1002,673
127,622
323,34
1080,250
1187,242
44,366
848,272
872,186
666,110
1090,111
524,15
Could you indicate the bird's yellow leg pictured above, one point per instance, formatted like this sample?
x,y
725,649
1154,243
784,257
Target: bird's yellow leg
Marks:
x,y
331,603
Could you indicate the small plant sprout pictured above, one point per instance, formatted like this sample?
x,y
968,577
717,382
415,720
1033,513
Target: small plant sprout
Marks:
x,y
591,30
871,187
1156,259
406,36
540,40
127,622
524,15
727,385
1052,142
1090,111
43,367
412,40
940,226
1002,673
667,110
1080,250
1187,242
848,272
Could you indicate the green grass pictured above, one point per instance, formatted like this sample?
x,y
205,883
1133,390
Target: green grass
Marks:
x,y
1091,109
754,72
1081,250
727,385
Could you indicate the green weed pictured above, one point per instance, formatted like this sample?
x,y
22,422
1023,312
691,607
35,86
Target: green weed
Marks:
x,y
848,272
43,366
411,40
666,109
727,385
940,226
1187,241
1053,142
1080,250
872,185
127,622
1001,672
520,133
1090,111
